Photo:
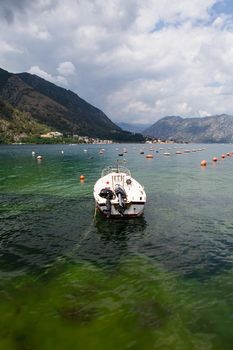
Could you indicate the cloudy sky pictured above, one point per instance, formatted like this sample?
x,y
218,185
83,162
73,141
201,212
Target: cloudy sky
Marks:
x,y
137,60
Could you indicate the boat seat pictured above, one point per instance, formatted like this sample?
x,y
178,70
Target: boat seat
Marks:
x,y
118,179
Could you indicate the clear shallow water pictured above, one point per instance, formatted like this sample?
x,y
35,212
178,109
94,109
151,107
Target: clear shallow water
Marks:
x,y
162,281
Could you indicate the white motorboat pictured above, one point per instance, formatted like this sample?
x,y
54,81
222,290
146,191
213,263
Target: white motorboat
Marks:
x,y
117,194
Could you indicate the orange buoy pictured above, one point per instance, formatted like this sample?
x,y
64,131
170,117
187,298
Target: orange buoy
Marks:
x,y
203,162
82,177
149,156
215,159
223,156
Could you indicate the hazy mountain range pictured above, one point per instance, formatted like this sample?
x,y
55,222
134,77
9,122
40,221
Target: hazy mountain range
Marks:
x,y
218,128
31,105
133,127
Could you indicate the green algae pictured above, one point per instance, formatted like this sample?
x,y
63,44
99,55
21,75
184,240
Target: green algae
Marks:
x,y
137,306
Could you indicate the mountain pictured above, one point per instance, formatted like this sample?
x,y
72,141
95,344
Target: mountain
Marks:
x,y
57,108
15,125
218,128
138,128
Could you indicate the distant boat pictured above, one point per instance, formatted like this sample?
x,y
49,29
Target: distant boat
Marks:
x,y
117,194
120,154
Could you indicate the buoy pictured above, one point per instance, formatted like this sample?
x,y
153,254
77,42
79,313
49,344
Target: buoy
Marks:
x,y
203,162
62,152
228,154
149,156
33,153
167,154
215,159
223,156
82,177
39,157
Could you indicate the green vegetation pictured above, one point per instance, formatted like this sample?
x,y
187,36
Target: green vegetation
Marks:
x,y
16,125
49,140
139,306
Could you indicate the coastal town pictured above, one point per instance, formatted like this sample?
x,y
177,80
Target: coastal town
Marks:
x,y
55,135
58,136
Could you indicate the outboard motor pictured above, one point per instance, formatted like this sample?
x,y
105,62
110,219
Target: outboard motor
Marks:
x,y
108,195
121,194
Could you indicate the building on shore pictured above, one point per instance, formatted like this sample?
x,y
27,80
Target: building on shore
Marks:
x,y
52,134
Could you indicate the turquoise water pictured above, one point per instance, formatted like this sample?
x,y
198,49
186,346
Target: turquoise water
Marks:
x,y
162,281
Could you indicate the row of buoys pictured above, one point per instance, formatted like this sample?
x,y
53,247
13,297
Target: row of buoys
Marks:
x,y
215,159
150,156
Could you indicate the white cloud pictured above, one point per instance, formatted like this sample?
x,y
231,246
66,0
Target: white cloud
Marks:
x,y
6,47
66,68
53,79
136,60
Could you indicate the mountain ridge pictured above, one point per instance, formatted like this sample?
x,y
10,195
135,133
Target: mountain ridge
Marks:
x,y
209,129
57,108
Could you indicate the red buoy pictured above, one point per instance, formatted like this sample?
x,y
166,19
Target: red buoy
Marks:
x,y
149,156
203,162
223,156
215,159
82,177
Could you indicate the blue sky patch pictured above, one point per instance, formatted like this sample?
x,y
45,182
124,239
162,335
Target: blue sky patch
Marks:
x,y
225,7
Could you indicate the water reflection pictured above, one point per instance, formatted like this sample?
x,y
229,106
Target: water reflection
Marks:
x,y
120,229
109,241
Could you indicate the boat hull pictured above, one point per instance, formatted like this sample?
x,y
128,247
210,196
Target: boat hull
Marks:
x,y
132,210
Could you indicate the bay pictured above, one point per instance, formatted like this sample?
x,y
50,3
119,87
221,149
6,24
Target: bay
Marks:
x,y
69,278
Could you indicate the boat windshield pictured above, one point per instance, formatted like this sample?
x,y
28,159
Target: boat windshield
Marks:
x,y
115,169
